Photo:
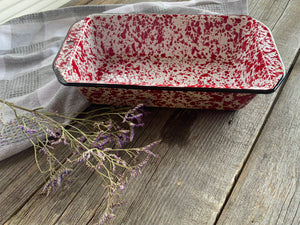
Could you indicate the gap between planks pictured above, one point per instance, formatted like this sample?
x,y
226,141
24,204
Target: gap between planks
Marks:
x,y
291,67
256,140
273,168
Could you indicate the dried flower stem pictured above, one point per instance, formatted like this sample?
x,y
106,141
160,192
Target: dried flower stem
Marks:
x,y
100,144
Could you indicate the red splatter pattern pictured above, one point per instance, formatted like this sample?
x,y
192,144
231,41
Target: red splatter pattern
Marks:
x,y
188,51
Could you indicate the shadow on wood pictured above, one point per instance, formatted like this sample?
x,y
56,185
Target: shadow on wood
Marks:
x,y
176,130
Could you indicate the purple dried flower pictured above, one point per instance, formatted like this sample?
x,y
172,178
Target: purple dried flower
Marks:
x,y
116,204
74,152
58,141
55,181
82,139
29,131
62,175
120,142
131,114
144,162
21,127
133,173
122,138
104,218
102,144
65,140
147,148
131,133
46,187
42,150
54,184
122,186
86,155
110,124
99,136
118,159
60,179
100,154
99,165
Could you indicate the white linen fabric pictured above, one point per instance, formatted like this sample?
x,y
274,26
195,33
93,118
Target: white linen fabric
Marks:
x,y
29,44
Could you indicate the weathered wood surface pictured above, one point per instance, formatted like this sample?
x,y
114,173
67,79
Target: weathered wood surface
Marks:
x,y
268,191
200,177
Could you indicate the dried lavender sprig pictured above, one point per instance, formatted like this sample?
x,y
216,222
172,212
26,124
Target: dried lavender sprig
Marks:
x,y
101,146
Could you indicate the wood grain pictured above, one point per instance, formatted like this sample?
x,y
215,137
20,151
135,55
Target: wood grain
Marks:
x,y
273,170
212,147
268,11
268,191
57,205
201,156
21,180
46,210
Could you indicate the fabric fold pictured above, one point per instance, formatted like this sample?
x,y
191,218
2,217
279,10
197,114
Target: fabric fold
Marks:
x,y
29,44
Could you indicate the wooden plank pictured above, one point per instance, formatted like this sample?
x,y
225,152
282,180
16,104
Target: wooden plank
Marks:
x,y
94,187
52,207
33,211
20,180
267,10
193,155
273,169
164,175
184,185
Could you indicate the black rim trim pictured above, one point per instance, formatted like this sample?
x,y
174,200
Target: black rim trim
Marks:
x,y
163,88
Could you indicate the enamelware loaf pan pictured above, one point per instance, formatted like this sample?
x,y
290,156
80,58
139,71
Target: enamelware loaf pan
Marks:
x,y
182,61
